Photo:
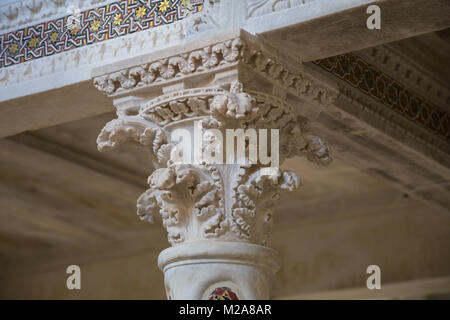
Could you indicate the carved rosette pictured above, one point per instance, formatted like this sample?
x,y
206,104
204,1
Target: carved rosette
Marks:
x,y
226,202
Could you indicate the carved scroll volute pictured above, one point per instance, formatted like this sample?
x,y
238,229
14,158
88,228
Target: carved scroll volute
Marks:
x,y
228,202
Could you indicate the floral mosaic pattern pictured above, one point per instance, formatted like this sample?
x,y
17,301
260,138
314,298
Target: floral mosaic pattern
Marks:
x,y
91,26
388,91
223,293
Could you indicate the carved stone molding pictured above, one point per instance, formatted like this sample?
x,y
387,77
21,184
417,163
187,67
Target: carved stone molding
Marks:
x,y
390,60
256,8
234,83
209,58
379,99
250,54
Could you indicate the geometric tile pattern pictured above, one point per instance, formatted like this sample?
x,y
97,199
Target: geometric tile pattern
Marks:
x,y
87,27
389,92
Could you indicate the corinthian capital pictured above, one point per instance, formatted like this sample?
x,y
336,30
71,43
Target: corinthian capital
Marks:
x,y
223,200
223,189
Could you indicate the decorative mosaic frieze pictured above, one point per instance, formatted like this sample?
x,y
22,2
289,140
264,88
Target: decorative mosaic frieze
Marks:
x,y
18,13
392,94
110,21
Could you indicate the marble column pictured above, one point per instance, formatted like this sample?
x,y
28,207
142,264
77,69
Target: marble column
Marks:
x,y
215,202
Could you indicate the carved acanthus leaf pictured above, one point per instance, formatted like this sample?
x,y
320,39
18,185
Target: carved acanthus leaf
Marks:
x,y
254,196
126,128
230,202
235,104
189,200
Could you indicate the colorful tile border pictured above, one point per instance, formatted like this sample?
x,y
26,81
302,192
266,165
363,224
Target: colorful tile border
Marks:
x,y
361,75
110,21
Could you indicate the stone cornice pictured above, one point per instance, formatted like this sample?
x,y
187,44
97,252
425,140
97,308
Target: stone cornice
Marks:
x,y
203,60
392,62
386,104
206,57
69,67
